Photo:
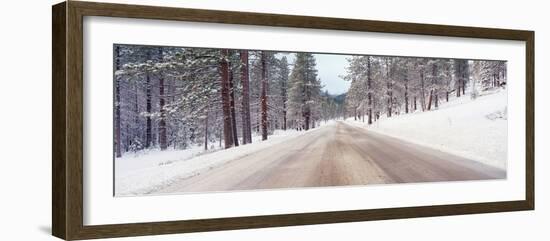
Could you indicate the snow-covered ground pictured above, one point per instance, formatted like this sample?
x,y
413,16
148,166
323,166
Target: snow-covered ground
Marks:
x,y
147,171
476,129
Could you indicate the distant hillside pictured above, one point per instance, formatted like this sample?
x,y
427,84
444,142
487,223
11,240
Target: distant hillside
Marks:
x,y
340,98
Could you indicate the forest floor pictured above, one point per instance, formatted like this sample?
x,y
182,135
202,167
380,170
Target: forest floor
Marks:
x,y
336,155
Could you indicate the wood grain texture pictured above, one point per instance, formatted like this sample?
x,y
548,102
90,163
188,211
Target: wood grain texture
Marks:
x,y
280,20
530,120
67,119
74,135
139,229
59,192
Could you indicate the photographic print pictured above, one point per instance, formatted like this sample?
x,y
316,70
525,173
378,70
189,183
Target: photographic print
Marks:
x,y
192,120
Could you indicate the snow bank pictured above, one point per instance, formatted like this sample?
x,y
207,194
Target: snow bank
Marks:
x,y
475,129
148,171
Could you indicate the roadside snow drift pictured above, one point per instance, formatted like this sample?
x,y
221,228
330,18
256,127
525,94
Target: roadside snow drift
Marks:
x,y
147,171
472,128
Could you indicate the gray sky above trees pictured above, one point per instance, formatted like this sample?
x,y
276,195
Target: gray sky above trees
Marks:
x,y
330,67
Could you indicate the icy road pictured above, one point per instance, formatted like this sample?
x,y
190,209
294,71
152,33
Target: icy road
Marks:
x,y
336,155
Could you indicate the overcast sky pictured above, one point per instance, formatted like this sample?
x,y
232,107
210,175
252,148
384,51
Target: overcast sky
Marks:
x,y
330,67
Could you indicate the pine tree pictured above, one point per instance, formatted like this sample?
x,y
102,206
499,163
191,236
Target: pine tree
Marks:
x,y
263,97
462,75
162,120
390,83
355,74
118,150
232,90
284,74
226,105
173,97
245,81
304,91
148,90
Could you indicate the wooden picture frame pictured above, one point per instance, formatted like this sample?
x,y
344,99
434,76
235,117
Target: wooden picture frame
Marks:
x,y
67,123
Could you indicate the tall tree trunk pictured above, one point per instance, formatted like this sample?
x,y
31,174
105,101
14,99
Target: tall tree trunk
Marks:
x,y
148,128
436,101
128,141
390,103
307,111
137,130
466,76
389,75
264,97
430,99
162,121
284,94
117,106
226,105
464,87
233,109
306,121
246,126
422,93
435,86
259,118
406,97
284,116
369,95
206,128
221,137
415,103
447,96
171,132
458,84
462,74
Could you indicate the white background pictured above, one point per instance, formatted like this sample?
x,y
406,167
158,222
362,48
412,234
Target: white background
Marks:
x,y
101,208
25,93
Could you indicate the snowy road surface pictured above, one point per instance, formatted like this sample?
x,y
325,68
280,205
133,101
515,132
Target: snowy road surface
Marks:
x,y
336,155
